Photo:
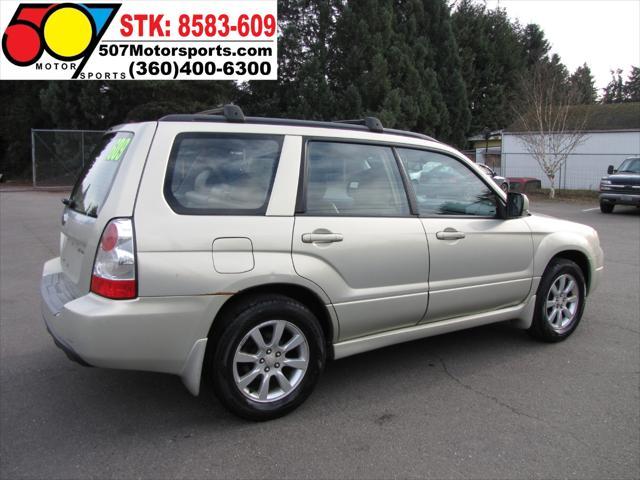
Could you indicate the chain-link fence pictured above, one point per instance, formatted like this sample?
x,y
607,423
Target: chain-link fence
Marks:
x,y
581,171
58,156
584,166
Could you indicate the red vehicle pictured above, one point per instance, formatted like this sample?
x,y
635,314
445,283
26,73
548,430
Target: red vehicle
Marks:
x,y
524,184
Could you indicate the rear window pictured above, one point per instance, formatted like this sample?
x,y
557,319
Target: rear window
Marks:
x,y
218,173
94,183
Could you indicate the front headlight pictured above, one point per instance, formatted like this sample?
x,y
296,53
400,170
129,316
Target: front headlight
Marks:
x,y
605,184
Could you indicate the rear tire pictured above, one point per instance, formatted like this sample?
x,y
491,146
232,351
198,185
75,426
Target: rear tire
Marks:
x,y
559,301
606,207
268,358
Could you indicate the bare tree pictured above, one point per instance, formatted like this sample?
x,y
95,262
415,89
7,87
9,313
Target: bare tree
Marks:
x,y
553,125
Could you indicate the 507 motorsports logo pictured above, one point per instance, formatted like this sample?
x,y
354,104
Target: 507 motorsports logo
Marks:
x,y
56,36
139,40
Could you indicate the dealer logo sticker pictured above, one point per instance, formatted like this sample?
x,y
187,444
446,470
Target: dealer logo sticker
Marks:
x,y
67,32
139,40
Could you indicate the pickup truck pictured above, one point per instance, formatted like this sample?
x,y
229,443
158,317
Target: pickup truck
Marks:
x,y
621,186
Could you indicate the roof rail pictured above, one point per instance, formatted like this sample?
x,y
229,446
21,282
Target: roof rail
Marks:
x,y
292,123
372,123
231,112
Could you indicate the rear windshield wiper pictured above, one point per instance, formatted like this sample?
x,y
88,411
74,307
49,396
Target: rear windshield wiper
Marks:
x,y
70,203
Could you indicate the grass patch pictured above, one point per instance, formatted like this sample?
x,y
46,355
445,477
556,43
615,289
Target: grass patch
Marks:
x,y
569,195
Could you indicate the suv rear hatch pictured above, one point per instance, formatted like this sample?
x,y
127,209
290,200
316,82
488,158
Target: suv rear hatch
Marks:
x,y
105,189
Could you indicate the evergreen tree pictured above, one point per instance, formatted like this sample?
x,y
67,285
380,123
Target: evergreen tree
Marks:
x,y
583,84
632,86
449,73
306,29
557,69
493,60
21,112
360,75
557,74
100,104
61,100
412,63
416,101
315,93
535,44
406,69
614,91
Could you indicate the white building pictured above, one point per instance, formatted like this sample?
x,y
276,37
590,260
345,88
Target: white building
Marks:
x,y
612,134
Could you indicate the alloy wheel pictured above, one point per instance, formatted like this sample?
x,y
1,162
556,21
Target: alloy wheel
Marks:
x,y
270,361
562,303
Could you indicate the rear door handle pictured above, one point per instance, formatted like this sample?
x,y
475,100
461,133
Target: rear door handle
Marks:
x,y
321,237
450,234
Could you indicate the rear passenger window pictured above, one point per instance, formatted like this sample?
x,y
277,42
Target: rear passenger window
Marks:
x,y
215,173
353,180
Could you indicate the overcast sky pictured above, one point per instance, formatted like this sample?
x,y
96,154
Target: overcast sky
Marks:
x,y
603,33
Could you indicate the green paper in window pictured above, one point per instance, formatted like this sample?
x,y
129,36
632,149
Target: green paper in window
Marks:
x,y
118,149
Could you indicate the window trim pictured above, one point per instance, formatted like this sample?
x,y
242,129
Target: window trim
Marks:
x,y
477,174
301,200
406,181
180,209
301,195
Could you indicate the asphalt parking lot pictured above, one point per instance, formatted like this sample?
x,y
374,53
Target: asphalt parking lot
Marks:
x,y
482,403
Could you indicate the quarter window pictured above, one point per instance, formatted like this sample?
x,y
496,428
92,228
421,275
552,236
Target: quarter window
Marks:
x,y
213,173
346,179
445,186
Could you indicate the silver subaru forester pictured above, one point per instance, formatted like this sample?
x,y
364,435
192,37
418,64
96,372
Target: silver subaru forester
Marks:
x,y
243,253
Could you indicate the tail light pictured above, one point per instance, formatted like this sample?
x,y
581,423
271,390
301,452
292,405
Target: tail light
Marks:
x,y
114,269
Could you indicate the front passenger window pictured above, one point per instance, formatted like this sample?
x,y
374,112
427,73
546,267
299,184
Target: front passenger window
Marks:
x,y
445,186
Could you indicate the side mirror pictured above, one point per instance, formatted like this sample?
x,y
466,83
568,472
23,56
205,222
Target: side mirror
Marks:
x,y
610,169
517,205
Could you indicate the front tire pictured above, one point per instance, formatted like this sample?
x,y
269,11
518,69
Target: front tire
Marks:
x,y
559,301
268,358
606,207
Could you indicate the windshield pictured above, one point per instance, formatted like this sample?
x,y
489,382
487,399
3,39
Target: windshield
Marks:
x,y
631,165
94,183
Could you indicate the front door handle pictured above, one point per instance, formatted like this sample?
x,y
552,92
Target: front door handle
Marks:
x,y
450,234
322,237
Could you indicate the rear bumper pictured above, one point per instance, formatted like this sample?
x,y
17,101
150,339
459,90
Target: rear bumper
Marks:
x,y
160,334
68,351
55,293
620,198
